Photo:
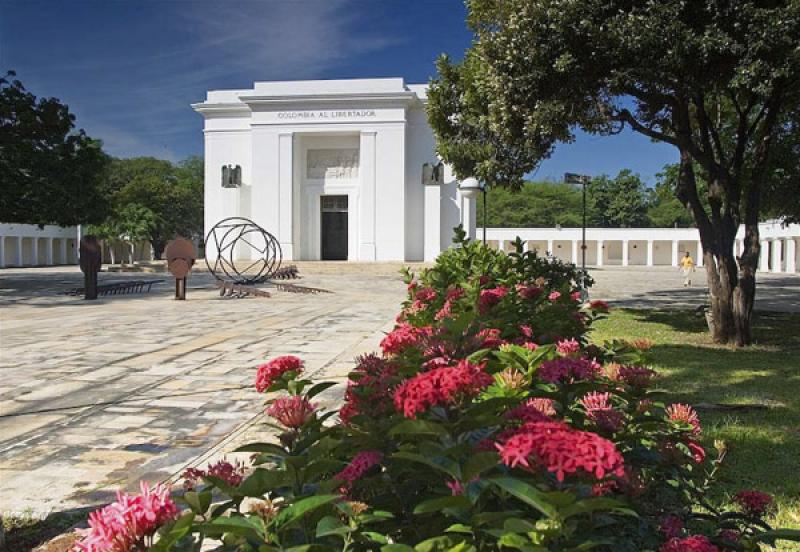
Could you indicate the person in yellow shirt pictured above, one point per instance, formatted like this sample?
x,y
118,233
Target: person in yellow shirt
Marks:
x,y
687,267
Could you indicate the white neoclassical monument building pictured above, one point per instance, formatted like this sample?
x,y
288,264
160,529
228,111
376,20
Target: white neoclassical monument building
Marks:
x,y
333,169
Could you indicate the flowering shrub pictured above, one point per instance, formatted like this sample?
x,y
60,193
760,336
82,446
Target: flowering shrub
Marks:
x,y
488,422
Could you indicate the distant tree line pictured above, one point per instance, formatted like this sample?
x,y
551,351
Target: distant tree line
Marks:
x,y
622,201
53,173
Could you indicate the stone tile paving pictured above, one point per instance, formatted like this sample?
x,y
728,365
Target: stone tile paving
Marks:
x,y
97,395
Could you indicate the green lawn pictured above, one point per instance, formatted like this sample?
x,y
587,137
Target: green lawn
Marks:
x,y
764,445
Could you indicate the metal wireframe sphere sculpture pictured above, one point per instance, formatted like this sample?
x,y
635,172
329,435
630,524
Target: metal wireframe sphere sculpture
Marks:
x,y
245,253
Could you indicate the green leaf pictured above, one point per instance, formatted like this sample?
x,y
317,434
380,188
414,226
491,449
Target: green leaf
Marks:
x,y
319,388
330,525
375,537
176,532
588,505
479,463
238,525
417,427
300,508
396,548
437,544
261,481
440,463
271,448
459,528
198,501
778,534
527,494
442,502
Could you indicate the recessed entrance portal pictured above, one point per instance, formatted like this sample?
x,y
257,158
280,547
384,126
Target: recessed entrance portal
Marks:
x,y
334,228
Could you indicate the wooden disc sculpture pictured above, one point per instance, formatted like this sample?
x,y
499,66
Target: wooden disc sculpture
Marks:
x,y
180,254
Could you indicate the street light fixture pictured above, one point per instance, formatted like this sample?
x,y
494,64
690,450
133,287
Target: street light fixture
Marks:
x,y
469,188
583,180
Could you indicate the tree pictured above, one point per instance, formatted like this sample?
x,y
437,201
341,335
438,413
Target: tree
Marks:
x,y
49,173
534,205
172,194
620,202
719,81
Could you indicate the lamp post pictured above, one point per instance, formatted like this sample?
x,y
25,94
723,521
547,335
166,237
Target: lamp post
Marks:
x,y
469,188
583,180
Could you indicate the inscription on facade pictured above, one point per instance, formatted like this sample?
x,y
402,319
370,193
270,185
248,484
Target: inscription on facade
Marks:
x,y
332,163
327,114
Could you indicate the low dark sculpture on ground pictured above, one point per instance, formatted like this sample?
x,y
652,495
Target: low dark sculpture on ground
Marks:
x,y
91,260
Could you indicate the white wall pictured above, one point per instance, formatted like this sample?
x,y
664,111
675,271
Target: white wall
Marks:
x,y
29,245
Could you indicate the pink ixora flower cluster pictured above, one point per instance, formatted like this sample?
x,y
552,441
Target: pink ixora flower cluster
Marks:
x,y
601,412
123,526
369,390
488,298
403,337
567,370
529,292
292,411
232,474
440,386
753,503
269,373
537,409
358,466
635,376
561,450
685,414
695,543
568,346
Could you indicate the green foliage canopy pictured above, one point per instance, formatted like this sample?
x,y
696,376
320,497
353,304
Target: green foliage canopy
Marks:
x,y
49,173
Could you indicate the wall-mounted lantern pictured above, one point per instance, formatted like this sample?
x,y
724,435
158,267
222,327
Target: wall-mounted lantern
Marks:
x,y
433,174
231,176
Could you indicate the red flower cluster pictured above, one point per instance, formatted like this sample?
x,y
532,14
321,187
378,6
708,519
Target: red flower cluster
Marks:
x,y
426,295
753,503
358,466
566,369
275,368
403,337
554,296
671,526
490,297
232,474
598,305
292,412
537,409
695,543
684,414
490,338
123,525
440,386
599,410
561,450
568,346
636,376
528,291
369,390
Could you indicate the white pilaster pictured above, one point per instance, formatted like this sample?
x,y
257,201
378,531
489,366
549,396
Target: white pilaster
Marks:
x,y
49,252
468,215
285,193
34,251
550,247
674,252
574,252
791,255
600,245
649,252
624,252
776,255
64,256
432,231
763,259
699,253
366,171
2,251
19,251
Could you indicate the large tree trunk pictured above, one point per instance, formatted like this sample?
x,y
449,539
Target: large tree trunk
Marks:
x,y
745,293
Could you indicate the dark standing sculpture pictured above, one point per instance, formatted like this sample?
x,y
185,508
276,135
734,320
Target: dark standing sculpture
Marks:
x,y
180,254
91,259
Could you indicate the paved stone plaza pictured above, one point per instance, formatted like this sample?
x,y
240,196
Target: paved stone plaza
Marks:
x,y
97,395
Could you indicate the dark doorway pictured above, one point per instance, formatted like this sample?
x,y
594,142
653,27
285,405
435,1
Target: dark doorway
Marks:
x,y
334,228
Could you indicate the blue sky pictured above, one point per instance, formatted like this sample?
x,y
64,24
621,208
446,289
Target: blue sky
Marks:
x,y
130,69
